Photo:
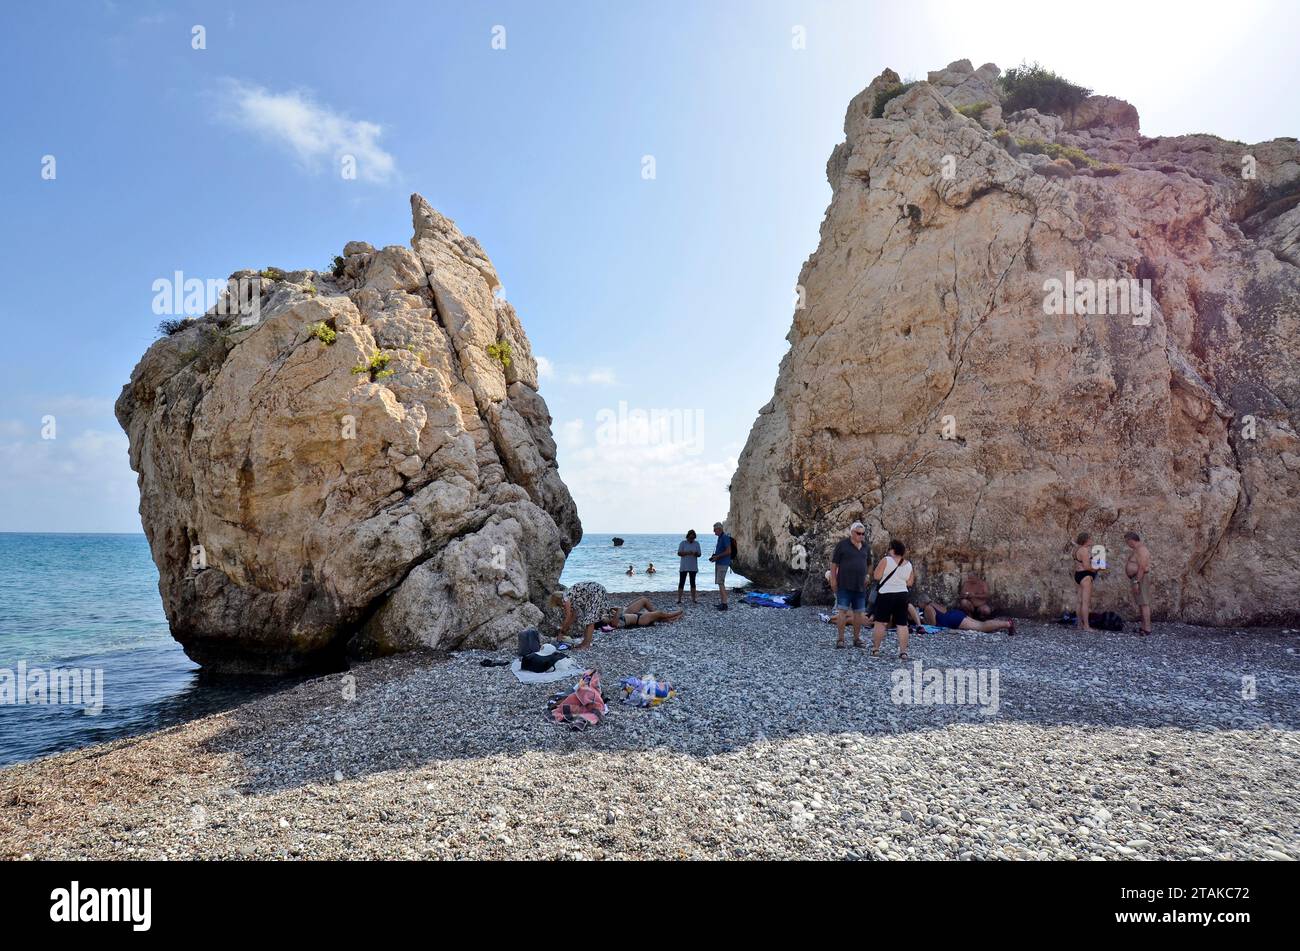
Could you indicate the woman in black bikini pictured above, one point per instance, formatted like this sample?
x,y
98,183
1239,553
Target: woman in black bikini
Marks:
x,y
1084,575
640,613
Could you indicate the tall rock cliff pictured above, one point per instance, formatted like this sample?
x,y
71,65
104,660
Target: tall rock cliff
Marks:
x,y
361,460
965,375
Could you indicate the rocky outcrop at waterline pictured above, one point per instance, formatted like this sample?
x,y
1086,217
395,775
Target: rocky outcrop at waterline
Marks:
x,y
364,463
1020,325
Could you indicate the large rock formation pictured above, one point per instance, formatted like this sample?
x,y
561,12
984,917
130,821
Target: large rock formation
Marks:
x,y
356,467
929,393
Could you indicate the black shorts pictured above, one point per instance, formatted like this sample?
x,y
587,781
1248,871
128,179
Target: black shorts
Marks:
x,y
681,578
891,608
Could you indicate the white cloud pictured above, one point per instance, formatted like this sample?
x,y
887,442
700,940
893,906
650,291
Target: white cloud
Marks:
x,y
73,405
77,482
598,377
572,434
312,132
653,486
76,459
545,368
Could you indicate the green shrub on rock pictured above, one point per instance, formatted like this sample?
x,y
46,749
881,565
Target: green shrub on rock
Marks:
x,y
878,107
974,110
1053,150
500,351
376,366
1037,87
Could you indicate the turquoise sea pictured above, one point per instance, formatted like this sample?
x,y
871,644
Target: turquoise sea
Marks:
x,y
91,603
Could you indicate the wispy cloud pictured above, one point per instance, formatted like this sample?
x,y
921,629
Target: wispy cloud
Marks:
x,y
74,405
597,377
314,133
547,369
80,481
624,486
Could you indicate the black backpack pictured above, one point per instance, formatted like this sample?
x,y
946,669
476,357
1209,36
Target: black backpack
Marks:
x,y
540,663
1106,621
530,642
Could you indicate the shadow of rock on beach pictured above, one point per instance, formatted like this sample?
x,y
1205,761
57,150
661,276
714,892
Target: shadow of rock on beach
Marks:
x,y
754,675
777,746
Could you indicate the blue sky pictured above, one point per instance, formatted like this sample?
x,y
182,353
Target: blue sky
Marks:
x,y
673,293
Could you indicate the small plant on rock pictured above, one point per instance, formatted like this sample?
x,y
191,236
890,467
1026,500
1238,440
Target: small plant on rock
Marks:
x,y
500,351
272,274
974,110
338,266
1054,150
376,366
172,325
324,333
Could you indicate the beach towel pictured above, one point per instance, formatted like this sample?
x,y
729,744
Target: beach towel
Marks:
x,y
582,709
646,691
564,669
761,600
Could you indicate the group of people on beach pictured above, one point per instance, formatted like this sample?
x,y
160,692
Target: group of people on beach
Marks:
x,y
894,577
1090,562
587,606
879,595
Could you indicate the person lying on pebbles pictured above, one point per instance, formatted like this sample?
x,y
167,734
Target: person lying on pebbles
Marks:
x,y
640,613
939,614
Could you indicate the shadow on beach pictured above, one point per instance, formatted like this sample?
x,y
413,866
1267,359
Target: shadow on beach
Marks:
x,y
754,675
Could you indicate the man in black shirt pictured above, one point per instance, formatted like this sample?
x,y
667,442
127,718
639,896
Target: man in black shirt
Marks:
x,y
850,563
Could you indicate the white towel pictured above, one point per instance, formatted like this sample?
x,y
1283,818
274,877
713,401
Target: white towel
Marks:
x,y
564,668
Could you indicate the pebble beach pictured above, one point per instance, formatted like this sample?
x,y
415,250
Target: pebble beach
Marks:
x,y
1182,745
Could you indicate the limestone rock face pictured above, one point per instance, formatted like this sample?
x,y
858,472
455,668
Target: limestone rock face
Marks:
x,y
353,468
934,390
963,85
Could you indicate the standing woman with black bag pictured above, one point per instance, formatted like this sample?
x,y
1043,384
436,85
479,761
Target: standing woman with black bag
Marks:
x,y
895,576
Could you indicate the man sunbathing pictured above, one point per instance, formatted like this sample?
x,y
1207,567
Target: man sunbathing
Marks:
x,y
939,615
640,613
974,597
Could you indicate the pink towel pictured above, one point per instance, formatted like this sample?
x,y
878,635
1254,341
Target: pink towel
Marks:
x,y
584,707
